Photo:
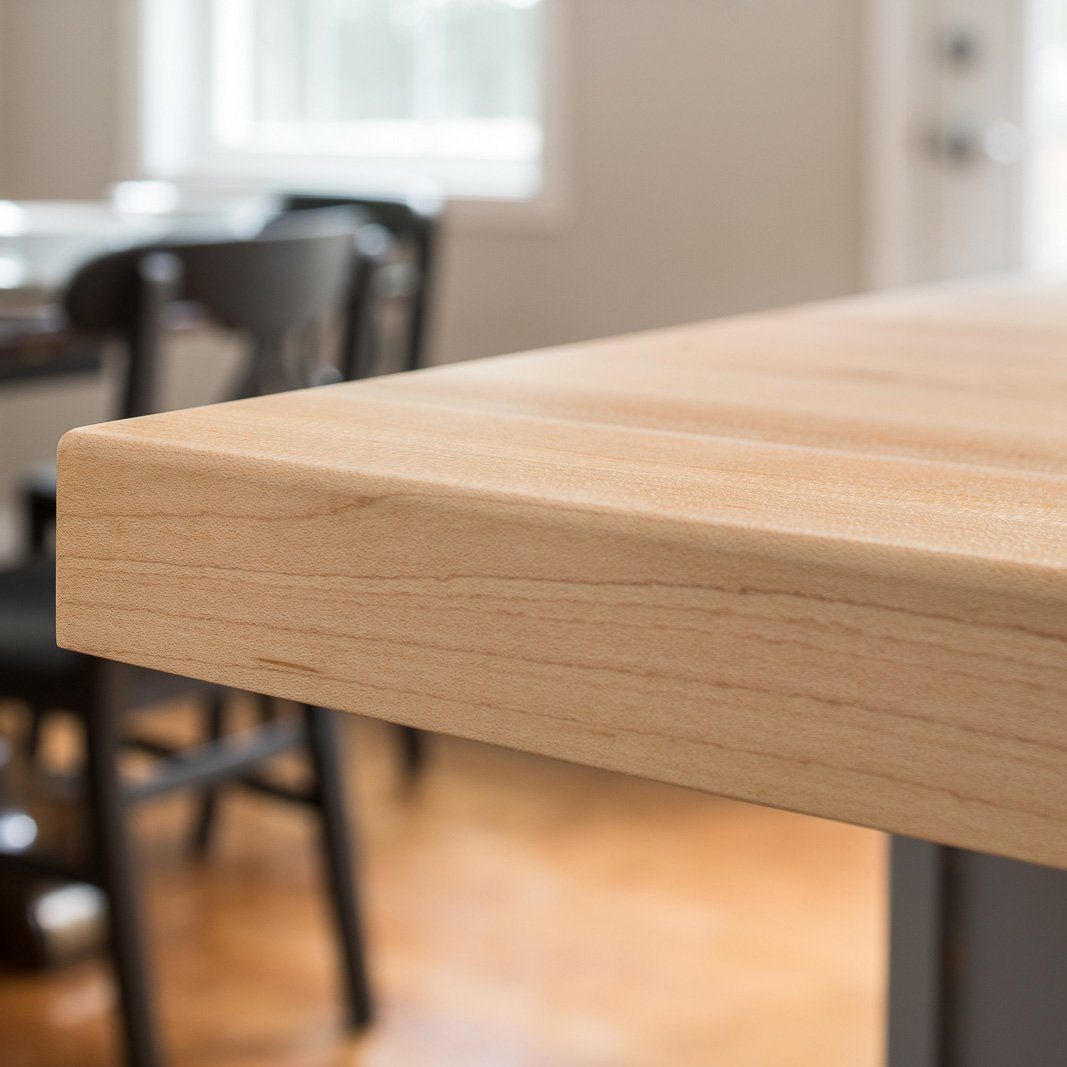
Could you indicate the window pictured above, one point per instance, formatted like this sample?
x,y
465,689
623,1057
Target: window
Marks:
x,y
360,91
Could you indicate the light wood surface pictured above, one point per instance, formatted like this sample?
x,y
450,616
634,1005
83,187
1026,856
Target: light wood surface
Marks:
x,y
521,912
815,558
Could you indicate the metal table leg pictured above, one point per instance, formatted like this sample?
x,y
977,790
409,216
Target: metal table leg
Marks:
x,y
978,960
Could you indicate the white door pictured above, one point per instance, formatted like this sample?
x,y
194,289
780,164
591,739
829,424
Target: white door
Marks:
x,y
1045,192
968,137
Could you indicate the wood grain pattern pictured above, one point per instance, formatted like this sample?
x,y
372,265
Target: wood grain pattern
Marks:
x,y
815,558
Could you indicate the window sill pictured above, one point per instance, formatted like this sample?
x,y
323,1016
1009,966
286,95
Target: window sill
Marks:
x,y
468,214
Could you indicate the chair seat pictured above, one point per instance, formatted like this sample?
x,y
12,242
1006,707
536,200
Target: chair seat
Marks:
x,y
32,666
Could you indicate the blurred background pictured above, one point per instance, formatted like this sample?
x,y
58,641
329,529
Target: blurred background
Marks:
x,y
611,165
551,171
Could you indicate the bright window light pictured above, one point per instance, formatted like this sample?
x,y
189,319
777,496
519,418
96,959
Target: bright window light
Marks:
x,y
1047,204
322,89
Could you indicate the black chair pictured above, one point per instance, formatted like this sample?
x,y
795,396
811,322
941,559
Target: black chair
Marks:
x,y
77,329
264,289
383,227
408,273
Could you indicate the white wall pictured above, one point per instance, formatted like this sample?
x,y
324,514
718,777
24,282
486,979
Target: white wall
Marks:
x,y
715,166
3,97
57,139
58,72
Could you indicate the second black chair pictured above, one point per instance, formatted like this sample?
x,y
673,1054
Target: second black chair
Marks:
x,y
263,290
408,273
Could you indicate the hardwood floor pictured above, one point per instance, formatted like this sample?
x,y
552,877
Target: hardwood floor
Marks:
x,y
522,913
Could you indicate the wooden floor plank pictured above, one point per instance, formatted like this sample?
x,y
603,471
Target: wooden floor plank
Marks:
x,y
522,913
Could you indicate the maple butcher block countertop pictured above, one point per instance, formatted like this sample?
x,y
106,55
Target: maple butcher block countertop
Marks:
x,y
814,558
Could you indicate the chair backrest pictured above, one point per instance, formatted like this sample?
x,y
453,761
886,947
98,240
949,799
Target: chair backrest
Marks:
x,y
407,218
262,288
415,221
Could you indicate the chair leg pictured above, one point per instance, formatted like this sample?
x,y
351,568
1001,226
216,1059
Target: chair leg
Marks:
x,y
339,854
207,811
412,751
40,512
266,707
33,736
115,869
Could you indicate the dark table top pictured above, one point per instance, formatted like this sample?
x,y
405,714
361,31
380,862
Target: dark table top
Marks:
x,y
43,242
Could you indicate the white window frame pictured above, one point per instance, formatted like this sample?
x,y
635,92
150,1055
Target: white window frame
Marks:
x,y
157,142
